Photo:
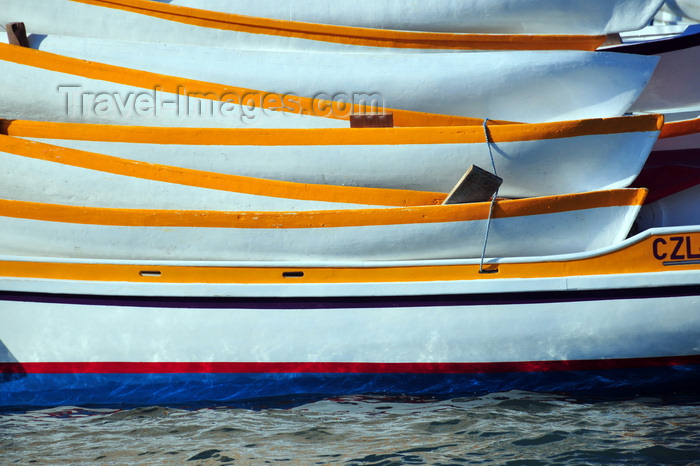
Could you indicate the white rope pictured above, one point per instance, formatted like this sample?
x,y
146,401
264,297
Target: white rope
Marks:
x,y
493,199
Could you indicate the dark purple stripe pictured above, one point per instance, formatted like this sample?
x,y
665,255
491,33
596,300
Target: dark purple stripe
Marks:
x,y
351,302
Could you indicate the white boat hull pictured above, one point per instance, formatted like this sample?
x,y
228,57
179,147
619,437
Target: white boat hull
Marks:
x,y
45,173
679,12
514,86
554,225
162,23
533,160
673,87
135,334
483,16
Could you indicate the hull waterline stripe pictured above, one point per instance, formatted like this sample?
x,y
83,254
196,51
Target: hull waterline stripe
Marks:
x,y
356,302
340,367
265,390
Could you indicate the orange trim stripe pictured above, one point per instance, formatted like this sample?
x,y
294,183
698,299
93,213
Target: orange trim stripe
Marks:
x,y
336,136
212,91
350,35
674,129
636,258
221,182
319,219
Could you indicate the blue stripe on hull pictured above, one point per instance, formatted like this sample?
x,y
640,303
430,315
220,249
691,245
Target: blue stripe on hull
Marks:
x,y
18,391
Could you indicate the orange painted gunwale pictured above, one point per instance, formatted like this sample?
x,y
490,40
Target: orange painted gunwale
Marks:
x,y
218,181
350,35
636,258
319,219
674,129
498,132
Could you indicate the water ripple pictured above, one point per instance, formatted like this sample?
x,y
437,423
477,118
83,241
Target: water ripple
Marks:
x,y
507,428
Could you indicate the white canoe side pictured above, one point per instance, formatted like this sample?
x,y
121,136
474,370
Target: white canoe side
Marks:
x,y
679,12
532,159
674,85
523,86
526,227
172,332
132,97
645,34
162,23
482,16
31,171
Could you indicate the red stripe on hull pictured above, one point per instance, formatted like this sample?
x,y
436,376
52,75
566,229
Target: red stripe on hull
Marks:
x,y
338,367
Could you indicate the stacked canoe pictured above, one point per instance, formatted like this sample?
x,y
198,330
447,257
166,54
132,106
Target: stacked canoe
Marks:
x,y
177,157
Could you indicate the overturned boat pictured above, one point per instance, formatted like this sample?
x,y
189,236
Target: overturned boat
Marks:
x,y
162,23
532,159
673,87
86,80
31,171
482,16
519,227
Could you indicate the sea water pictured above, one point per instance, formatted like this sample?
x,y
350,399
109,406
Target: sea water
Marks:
x,y
510,428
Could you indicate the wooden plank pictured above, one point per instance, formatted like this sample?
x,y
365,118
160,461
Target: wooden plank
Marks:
x,y
477,185
385,120
17,34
